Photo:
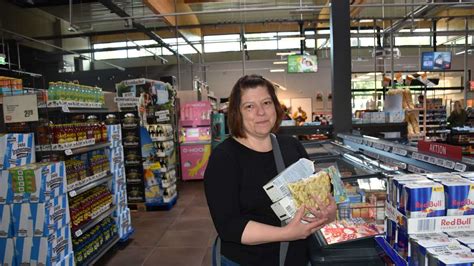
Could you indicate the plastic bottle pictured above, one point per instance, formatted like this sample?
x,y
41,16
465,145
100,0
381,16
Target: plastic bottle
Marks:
x,y
52,92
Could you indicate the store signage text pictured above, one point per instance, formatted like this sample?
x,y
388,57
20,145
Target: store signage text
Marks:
x,y
442,150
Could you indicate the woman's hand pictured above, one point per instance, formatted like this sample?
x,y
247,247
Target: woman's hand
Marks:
x,y
297,229
323,211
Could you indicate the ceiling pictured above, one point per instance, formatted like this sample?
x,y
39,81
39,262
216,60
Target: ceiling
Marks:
x,y
194,18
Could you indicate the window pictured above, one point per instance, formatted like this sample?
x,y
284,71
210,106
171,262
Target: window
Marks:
x,y
110,55
262,45
221,43
109,45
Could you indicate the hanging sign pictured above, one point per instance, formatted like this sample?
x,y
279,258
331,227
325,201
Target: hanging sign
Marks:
x,y
20,108
441,150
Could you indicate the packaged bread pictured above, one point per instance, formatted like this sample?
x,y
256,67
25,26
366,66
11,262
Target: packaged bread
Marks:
x,y
303,190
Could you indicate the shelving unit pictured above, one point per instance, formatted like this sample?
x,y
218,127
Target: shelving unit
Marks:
x,y
105,247
77,232
464,138
408,157
93,183
434,122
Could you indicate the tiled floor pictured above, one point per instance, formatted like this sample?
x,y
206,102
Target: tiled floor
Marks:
x,y
181,236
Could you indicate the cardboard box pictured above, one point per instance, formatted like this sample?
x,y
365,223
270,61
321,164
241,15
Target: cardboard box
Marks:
x,y
116,158
119,182
6,226
6,193
120,200
16,150
284,208
124,223
378,117
114,135
396,117
40,219
277,187
7,252
38,182
44,250
67,261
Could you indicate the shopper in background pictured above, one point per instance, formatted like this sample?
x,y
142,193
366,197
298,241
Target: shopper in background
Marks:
x,y
458,116
237,171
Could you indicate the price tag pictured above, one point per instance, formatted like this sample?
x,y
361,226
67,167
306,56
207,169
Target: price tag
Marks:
x,y
460,167
65,109
79,233
432,160
449,164
68,152
20,108
387,148
72,193
399,151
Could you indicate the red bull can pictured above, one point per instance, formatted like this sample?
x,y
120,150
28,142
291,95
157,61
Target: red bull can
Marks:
x,y
424,200
459,197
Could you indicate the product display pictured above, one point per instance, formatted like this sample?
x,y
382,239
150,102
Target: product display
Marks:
x,y
16,150
350,229
90,243
89,205
71,94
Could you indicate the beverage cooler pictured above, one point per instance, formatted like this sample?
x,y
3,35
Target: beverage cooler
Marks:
x,y
195,139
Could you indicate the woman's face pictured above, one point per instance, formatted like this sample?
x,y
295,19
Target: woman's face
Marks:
x,y
258,112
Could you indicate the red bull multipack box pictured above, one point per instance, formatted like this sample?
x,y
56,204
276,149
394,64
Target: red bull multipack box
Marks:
x,y
419,243
452,255
459,197
424,200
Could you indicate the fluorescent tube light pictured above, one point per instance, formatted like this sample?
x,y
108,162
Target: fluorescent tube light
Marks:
x,y
277,70
285,53
280,62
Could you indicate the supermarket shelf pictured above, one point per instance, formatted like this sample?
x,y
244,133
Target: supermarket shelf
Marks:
x,y
84,228
391,253
304,130
75,151
444,125
104,248
156,139
416,162
73,110
196,143
94,183
165,153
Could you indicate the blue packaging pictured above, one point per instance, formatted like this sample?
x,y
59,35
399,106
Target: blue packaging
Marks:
x,y
114,135
67,261
396,185
424,200
6,193
402,242
7,252
419,243
40,219
116,158
16,150
38,182
391,232
6,226
459,197
118,181
452,255
44,250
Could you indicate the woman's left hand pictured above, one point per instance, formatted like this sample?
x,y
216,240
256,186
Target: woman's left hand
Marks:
x,y
323,211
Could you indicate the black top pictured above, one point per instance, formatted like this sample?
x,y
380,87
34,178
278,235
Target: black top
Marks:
x,y
457,119
234,181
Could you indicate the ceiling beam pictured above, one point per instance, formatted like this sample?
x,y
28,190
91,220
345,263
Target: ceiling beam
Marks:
x,y
140,27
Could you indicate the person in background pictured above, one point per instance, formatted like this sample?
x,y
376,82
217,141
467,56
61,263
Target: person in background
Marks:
x,y
300,116
458,116
239,167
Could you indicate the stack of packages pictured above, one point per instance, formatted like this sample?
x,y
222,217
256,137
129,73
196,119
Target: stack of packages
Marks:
x,y
432,195
34,207
119,187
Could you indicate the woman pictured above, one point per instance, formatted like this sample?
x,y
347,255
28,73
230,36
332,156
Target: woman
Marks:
x,y
237,171
458,116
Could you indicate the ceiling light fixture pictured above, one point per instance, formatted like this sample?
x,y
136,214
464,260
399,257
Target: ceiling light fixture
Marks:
x,y
295,38
277,70
280,62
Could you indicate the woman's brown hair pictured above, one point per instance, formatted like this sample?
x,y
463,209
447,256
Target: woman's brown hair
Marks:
x,y
246,82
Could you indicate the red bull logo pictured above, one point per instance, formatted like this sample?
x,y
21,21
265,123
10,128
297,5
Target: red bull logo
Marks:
x,y
430,204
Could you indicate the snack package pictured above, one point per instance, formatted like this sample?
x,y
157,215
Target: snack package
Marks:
x,y
6,226
7,252
16,150
303,191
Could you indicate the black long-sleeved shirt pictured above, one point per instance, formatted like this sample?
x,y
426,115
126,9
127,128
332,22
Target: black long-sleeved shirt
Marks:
x,y
234,181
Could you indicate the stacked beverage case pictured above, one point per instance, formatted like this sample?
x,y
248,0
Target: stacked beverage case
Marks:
x,y
428,196
34,225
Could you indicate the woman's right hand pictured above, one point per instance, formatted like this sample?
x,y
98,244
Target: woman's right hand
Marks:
x,y
296,229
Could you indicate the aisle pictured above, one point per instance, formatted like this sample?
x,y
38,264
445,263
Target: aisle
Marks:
x,y
182,236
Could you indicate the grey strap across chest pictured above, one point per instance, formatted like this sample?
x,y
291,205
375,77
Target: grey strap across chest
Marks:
x,y
280,167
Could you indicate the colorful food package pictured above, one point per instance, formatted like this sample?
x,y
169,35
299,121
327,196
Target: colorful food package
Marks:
x,y
303,191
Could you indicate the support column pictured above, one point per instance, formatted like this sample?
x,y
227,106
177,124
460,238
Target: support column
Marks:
x,y
341,66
